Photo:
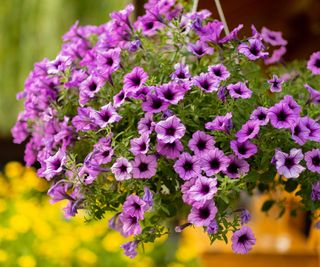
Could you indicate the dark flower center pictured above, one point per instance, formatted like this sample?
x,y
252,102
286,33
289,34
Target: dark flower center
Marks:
x,y
204,213
272,37
121,95
149,25
106,116
109,61
297,130
242,149
289,163
317,63
123,168
181,75
202,144
136,206
205,189
106,153
261,116
238,91
92,86
188,166
316,161
205,85
275,84
143,146
250,130
168,95
215,163
136,80
217,72
133,219
199,51
156,103
282,115
254,50
233,168
243,238
170,131
56,164
143,167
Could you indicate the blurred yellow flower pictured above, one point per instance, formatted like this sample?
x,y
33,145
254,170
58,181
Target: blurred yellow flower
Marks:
x,y
26,261
13,169
86,257
3,256
19,223
113,241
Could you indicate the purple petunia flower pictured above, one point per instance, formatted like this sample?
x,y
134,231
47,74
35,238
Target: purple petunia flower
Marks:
x,y
315,194
144,166
245,216
314,63
103,151
147,197
181,72
243,240
203,190
122,169
282,116
140,145
130,248
203,216
108,61
201,143
146,124
292,104
119,98
276,56
312,159
148,24
213,227
58,191
170,93
187,166
84,121
106,115
206,82
275,84
272,37
233,35
222,93
253,50
288,165
89,87
219,71
170,129
154,104
134,206
130,225
237,167
214,161
220,123
314,95
243,150
299,132
239,90
169,150
54,164
248,130
260,114
134,80
313,127
200,49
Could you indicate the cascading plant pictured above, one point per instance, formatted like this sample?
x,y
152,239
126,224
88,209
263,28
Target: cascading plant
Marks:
x,y
166,120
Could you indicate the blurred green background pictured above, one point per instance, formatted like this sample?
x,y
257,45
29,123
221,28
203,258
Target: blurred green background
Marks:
x,y
31,30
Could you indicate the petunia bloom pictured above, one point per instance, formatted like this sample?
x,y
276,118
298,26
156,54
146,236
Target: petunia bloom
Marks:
x,y
219,71
275,84
140,145
288,164
181,72
206,82
314,95
312,159
134,80
214,162
200,49
220,123
314,63
243,150
122,169
248,130
282,116
204,215
260,114
253,50
243,240
134,206
315,194
130,248
239,90
54,164
237,167
201,143
170,129
106,115
299,132
169,150
144,166
273,37
187,166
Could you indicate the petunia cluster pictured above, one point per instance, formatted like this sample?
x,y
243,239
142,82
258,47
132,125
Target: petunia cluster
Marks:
x,y
167,121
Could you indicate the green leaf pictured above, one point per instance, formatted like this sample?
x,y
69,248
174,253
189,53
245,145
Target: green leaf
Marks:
x,y
267,205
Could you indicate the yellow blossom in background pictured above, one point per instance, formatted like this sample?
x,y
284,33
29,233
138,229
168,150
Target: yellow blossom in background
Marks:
x,y
26,261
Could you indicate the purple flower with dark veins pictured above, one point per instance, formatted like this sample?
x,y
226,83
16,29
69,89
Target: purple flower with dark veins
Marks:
x,y
201,143
314,95
106,115
253,50
248,130
233,35
130,225
203,190
134,206
288,164
276,56
220,123
103,151
245,216
140,145
214,162
206,82
275,84
181,72
272,37
119,98
169,150
314,63
154,104
213,227
313,127
130,248
200,49
243,150
219,71
315,194
170,129
187,166
299,132
239,90
88,88
243,240
282,116
260,114
146,124
134,80
54,164
144,166
122,169
312,159
147,197
203,216
237,167
292,104
170,93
